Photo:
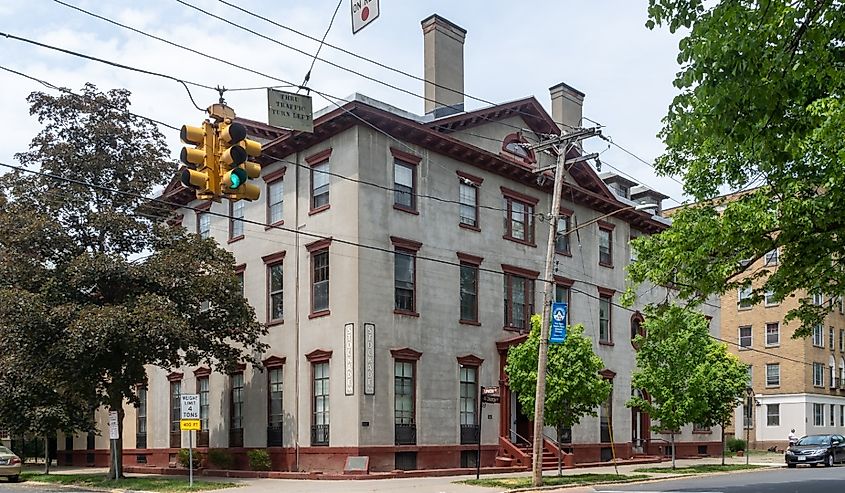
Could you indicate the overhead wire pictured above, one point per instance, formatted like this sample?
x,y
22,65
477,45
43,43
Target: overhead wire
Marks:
x,y
322,42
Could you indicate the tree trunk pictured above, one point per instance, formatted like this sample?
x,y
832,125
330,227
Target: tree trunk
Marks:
x,y
723,443
46,455
673,449
116,451
559,465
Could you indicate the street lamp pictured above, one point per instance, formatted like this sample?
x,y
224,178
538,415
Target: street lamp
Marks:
x,y
750,404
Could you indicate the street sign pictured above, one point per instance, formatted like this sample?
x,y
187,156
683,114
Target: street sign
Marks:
x,y
189,424
289,110
558,333
190,406
114,431
490,395
363,13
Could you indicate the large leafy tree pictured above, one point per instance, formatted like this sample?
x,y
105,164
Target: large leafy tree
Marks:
x,y
760,109
669,367
574,388
119,290
725,378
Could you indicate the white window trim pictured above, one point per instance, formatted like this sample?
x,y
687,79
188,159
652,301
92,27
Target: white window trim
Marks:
x,y
766,299
767,415
739,299
766,334
772,385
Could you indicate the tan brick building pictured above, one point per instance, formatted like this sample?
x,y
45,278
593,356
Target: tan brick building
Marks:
x,y
797,383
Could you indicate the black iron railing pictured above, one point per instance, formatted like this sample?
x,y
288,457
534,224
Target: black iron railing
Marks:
x,y
319,435
274,435
469,434
405,434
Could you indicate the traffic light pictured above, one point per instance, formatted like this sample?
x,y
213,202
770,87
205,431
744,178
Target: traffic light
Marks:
x,y
201,171
234,151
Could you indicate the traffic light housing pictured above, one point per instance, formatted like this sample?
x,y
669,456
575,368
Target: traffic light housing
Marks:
x,y
233,153
201,172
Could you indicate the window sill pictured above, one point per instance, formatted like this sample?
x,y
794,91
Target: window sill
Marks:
x,y
407,313
406,209
321,313
275,322
518,330
743,308
606,343
236,238
771,305
274,225
469,227
773,345
744,348
319,209
772,386
603,264
470,322
565,254
521,242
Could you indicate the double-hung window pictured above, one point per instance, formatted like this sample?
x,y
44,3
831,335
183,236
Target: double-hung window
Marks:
x,y
745,337
320,414
818,414
404,186
605,245
468,404
141,419
772,334
818,374
772,374
772,257
275,201
236,215
818,336
404,409
772,414
519,217
404,275
468,198
605,328
319,251
236,416
275,296
204,224
202,390
519,301
744,298
469,292
320,180
831,339
769,299
275,414
562,234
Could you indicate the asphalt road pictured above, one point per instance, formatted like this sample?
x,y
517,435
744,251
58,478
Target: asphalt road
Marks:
x,y
800,480
6,487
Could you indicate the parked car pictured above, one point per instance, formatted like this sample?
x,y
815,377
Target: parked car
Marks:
x,y
816,449
10,465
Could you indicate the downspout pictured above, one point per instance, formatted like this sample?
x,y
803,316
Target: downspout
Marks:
x,y
297,371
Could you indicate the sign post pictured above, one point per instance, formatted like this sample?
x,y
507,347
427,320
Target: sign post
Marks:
x,y
190,405
558,333
114,435
488,395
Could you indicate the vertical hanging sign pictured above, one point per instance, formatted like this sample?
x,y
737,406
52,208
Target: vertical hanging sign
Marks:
x,y
348,361
363,13
369,359
558,333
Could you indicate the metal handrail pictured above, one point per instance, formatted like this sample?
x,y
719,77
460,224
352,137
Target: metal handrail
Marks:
x,y
513,432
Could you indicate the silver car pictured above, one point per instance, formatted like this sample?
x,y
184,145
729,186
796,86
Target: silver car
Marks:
x,y
10,465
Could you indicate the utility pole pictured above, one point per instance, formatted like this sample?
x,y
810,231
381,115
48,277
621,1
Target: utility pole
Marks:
x,y
560,143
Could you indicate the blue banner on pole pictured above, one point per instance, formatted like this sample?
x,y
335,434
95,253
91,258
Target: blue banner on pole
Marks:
x,y
558,333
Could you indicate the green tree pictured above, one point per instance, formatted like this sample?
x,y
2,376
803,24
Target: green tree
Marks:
x,y
574,388
725,378
669,362
761,103
121,289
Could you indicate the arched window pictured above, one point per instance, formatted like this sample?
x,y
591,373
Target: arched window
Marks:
x,y
842,373
832,364
511,146
636,327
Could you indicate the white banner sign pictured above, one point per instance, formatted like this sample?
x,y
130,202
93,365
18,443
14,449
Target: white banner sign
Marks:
x,y
190,406
363,13
114,431
348,358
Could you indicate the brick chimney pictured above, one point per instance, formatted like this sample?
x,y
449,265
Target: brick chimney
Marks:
x,y
567,105
444,66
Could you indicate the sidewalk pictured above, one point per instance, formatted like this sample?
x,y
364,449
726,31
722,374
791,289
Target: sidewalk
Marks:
x,y
434,484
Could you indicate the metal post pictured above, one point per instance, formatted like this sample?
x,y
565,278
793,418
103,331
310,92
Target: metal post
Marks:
x,y
543,353
116,470
478,450
191,459
747,427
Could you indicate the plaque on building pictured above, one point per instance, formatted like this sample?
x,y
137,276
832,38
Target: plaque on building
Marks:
x,y
369,359
348,358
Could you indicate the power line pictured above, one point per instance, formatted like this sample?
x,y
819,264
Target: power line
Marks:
x,y
322,42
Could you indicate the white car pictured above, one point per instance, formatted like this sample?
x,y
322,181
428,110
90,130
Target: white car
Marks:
x,y
10,465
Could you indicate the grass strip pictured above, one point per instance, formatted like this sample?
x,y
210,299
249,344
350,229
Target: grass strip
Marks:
x,y
143,483
569,480
704,468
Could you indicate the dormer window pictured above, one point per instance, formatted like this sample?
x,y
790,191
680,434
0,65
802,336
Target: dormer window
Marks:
x,y
512,145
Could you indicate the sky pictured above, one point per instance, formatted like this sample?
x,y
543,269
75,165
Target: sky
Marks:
x,y
512,50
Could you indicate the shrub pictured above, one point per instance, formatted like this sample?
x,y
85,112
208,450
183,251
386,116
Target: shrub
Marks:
x,y
735,444
221,458
259,460
183,458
